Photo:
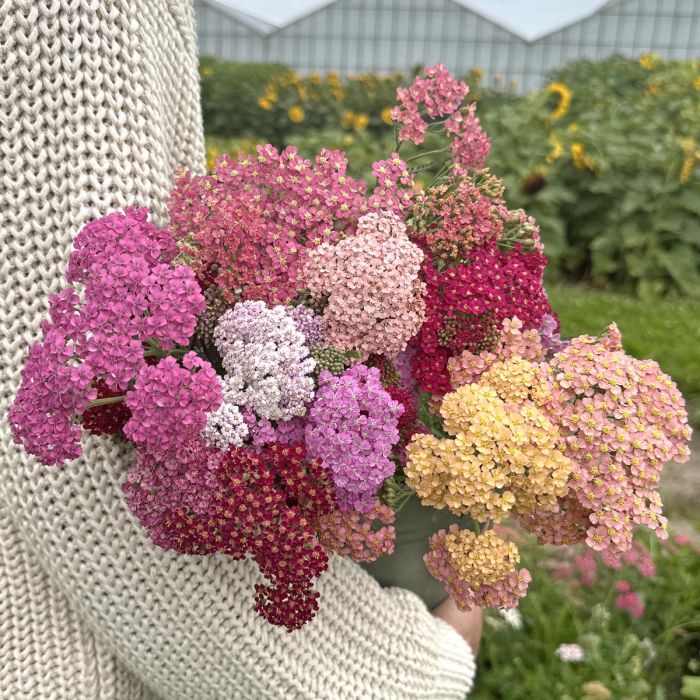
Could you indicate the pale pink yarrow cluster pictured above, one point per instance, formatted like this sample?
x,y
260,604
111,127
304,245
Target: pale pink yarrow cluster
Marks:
x,y
623,419
570,653
169,404
225,427
437,95
266,360
363,536
470,145
512,341
372,282
352,427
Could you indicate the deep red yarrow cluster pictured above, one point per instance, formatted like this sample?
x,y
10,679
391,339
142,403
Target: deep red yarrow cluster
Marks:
x,y
466,305
258,503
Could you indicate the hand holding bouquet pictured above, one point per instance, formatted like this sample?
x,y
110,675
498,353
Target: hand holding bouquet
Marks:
x,y
296,356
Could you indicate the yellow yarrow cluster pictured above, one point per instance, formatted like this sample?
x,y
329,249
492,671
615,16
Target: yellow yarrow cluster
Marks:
x,y
505,455
481,559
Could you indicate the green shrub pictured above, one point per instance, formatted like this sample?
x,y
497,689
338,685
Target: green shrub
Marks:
x,y
230,94
633,658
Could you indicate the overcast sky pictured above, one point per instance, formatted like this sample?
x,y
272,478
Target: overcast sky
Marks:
x,y
529,19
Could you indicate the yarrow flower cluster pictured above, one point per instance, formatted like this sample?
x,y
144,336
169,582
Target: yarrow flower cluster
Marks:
x,y
131,298
506,455
466,305
266,360
296,355
371,280
623,419
238,503
248,226
353,533
437,95
170,402
352,426
477,570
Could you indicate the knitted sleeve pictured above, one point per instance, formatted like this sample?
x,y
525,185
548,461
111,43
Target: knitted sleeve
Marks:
x,y
98,106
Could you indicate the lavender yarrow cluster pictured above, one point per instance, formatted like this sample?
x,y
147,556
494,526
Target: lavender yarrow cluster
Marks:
x,y
549,335
262,432
352,427
266,360
312,326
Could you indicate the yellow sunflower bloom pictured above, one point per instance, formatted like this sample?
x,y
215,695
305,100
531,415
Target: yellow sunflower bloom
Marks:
x,y
296,114
386,116
347,120
264,103
557,148
564,99
360,122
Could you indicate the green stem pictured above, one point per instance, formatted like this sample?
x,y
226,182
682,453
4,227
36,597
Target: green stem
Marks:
x,y
160,353
105,401
427,153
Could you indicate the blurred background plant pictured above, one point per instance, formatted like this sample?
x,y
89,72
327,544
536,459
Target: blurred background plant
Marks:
x,y
599,629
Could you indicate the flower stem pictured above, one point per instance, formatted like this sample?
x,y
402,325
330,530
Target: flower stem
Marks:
x,y
105,401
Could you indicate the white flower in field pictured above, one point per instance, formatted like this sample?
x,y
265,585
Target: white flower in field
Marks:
x,y
512,617
570,653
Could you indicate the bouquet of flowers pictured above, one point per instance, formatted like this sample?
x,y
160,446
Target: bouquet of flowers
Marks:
x,y
297,356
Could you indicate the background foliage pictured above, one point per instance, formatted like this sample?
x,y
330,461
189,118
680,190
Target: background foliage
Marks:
x,y
605,157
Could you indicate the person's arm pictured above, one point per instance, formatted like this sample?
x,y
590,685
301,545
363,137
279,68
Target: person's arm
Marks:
x,y
100,104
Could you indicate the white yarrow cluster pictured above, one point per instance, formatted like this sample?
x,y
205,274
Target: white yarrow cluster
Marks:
x,y
266,360
570,653
225,427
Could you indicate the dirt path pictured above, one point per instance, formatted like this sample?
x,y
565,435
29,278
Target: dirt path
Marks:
x,y
680,490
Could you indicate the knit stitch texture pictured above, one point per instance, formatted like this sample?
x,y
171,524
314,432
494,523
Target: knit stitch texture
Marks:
x,y
98,107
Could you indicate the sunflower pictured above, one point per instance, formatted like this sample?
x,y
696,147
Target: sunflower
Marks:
x,y
296,114
564,99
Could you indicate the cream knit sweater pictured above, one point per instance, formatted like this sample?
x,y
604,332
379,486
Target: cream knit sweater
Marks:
x,y
98,106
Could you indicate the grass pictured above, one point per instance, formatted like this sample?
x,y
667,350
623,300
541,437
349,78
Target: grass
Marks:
x,y
664,329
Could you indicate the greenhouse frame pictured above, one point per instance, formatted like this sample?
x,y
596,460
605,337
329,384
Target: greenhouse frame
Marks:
x,y
507,39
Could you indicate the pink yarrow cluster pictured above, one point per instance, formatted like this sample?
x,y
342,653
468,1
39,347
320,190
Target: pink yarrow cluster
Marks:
x,y
436,96
623,419
132,299
248,227
371,281
353,533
